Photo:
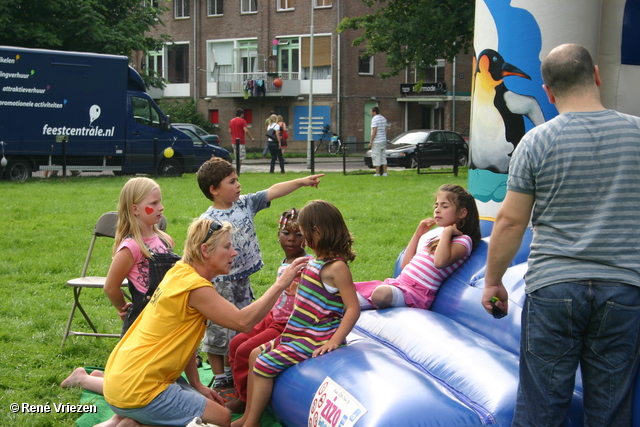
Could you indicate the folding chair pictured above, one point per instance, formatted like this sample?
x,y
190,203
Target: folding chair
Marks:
x,y
105,227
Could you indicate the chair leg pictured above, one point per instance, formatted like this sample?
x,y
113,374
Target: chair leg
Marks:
x,y
76,304
66,331
84,313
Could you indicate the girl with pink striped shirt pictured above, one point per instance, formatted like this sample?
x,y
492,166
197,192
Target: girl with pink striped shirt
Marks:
x,y
431,255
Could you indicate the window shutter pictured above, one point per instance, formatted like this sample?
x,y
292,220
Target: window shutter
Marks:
x,y
321,51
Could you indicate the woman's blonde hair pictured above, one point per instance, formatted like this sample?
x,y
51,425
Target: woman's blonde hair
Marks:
x,y
273,119
134,192
196,235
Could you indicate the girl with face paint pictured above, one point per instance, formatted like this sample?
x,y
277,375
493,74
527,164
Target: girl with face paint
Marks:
x,y
138,240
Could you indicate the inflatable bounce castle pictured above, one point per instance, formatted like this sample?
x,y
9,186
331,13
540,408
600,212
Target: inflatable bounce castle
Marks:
x,y
455,365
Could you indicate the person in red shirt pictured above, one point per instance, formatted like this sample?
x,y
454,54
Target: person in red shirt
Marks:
x,y
237,129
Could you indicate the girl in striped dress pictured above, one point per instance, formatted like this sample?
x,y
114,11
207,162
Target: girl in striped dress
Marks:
x,y
430,256
326,307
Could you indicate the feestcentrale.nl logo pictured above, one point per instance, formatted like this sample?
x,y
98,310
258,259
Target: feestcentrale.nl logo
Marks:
x,y
94,113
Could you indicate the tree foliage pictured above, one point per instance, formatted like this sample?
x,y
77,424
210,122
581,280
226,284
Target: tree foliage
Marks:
x,y
101,26
414,32
185,111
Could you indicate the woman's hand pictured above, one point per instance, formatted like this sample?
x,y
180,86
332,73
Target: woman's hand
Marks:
x,y
209,393
293,271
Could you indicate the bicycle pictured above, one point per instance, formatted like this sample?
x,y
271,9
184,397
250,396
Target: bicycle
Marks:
x,y
333,145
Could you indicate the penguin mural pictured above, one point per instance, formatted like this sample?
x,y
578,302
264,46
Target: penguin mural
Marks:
x,y
499,113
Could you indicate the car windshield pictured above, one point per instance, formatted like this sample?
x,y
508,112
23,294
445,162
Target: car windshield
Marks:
x,y
196,140
410,138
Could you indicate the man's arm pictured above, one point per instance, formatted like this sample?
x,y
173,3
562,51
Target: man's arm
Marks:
x,y
246,131
283,188
506,237
374,131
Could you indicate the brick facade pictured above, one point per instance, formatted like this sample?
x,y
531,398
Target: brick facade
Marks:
x,y
348,94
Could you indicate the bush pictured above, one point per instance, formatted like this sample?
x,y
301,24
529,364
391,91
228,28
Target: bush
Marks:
x,y
185,111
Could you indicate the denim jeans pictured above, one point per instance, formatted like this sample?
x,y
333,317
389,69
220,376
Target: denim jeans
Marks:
x,y
591,324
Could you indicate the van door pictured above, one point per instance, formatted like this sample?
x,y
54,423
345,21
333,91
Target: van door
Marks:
x,y
145,123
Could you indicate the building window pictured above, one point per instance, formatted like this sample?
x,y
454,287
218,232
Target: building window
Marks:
x,y
151,3
435,74
178,63
249,6
289,58
321,57
248,116
286,4
181,8
322,3
154,65
214,7
214,117
365,65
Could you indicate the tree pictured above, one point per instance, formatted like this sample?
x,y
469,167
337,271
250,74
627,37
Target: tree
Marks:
x,y
414,32
185,111
116,27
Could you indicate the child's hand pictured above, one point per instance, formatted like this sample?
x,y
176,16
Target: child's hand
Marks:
x,y
425,225
454,230
124,310
326,348
312,180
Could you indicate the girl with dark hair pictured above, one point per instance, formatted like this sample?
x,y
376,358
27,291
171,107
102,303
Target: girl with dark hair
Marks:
x,y
430,256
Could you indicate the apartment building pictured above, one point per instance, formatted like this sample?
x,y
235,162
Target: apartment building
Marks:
x,y
229,54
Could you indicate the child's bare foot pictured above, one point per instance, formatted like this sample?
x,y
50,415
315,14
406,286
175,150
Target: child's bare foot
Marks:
x,y
75,379
236,406
239,422
97,373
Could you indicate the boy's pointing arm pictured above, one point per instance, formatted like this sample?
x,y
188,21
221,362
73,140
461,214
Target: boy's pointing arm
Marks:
x,y
283,188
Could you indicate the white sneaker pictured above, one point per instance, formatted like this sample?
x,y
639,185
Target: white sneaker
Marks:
x,y
197,422
377,174
384,174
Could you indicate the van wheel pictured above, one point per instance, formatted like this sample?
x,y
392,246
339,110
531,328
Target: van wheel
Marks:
x,y
170,167
462,160
18,170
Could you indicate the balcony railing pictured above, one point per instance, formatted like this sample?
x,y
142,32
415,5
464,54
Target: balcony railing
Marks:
x,y
236,83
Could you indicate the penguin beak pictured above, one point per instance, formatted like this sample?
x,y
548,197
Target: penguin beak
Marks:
x,y
512,70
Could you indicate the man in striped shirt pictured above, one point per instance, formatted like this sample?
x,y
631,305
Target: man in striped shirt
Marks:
x,y
577,177
378,144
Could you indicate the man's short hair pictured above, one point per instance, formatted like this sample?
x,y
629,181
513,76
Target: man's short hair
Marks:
x,y
375,110
239,112
566,68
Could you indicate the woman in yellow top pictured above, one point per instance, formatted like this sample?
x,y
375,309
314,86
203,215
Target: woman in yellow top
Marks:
x,y
142,379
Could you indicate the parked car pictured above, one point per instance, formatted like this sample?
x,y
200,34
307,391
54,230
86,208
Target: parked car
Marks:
x,y
203,151
436,148
208,137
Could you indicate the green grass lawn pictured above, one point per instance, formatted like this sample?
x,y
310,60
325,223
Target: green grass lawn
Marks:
x,y
46,229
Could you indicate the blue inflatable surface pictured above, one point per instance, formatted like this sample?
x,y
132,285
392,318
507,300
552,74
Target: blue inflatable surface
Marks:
x,y
453,365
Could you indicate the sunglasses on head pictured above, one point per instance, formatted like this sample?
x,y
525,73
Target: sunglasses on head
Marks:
x,y
215,226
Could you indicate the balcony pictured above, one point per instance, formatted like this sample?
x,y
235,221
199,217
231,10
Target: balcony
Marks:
x,y
232,85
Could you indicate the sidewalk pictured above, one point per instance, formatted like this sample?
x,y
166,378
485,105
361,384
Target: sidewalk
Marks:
x,y
299,164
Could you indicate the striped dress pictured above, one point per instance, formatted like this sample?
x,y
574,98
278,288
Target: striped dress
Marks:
x,y
316,316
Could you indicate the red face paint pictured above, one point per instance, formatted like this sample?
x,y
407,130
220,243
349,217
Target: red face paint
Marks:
x,y
148,210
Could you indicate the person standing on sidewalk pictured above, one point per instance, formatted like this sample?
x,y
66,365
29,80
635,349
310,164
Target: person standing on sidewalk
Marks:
x,y
237,129
378,144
